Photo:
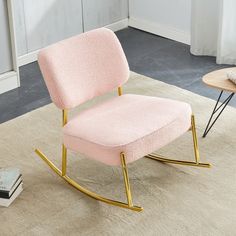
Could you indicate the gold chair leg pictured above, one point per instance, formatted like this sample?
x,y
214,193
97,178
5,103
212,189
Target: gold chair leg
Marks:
x,y
196,163
88,192
126,179
64,160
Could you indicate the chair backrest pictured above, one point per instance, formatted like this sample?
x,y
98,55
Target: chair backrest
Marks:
x,y
83,67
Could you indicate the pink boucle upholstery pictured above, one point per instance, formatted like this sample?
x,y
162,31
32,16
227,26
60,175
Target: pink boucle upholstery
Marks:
x,y
85,66
134,124
82,67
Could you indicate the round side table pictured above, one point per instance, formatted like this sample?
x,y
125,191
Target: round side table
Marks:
x,y
218,80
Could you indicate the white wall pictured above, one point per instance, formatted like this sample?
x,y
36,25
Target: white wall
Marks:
x,y
98,13
167,18
6,64
40,23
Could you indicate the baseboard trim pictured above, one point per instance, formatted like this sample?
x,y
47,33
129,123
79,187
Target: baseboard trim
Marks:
x,y
28,58
161,30
119,25
33,56
8,81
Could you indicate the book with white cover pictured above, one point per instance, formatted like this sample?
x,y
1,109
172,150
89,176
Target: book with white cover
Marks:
x,y
8,177
7,202
7,194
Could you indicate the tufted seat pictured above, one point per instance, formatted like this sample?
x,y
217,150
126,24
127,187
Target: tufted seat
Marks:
x,y
134,124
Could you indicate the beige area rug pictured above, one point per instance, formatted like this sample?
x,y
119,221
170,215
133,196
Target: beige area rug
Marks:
x,y
177,200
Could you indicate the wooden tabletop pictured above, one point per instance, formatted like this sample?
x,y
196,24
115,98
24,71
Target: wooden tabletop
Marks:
x,y
218,79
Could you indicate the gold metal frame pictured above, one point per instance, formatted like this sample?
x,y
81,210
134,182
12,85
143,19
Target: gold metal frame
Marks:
x,y
91,194
195,163
129,205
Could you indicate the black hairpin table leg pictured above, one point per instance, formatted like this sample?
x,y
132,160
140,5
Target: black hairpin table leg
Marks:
x,y
217,108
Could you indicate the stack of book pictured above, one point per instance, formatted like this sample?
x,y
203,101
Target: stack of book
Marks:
x,y
10,185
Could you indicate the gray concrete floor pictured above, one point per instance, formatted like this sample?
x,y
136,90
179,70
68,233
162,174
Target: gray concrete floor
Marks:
x,y
150,55
168,61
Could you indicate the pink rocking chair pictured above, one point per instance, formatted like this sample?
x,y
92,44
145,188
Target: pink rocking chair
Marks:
x,y
120,130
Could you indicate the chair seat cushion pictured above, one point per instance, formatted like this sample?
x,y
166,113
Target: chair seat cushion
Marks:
x,y
134,124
